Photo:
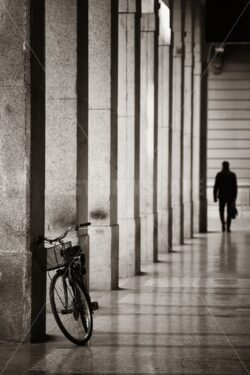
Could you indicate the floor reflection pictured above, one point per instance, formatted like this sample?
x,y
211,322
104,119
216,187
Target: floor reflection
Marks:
x,y
187,314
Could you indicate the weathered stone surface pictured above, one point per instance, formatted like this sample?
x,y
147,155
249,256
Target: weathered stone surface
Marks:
x,y
99,166
127,254
148,22
103,257
163,148
13,168
126,144
15,267
176,194
15,296
61,122
196,126
102,147
147,144
147,237
187,123
99,54
123,6
147,6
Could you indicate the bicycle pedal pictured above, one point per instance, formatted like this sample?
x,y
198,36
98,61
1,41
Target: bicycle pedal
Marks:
x,y
95,305
67,311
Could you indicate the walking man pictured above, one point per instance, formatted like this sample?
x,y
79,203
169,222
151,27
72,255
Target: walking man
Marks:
x,y
225,188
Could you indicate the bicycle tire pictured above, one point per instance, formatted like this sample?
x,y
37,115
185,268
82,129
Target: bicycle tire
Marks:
x,y
78,316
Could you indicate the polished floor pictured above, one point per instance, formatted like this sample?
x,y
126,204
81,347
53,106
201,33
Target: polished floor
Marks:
x,y
187,314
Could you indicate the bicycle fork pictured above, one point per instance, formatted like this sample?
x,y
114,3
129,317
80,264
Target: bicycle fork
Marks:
x,y
68,308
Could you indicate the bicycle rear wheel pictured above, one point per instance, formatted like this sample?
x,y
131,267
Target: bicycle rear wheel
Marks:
x,y
71,309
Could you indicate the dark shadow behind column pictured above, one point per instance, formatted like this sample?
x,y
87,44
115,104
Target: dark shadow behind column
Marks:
x,y
203,130
82,122
114,108
192,119
170,211
37,178
137,136
183,16
176,231
156,64
114,143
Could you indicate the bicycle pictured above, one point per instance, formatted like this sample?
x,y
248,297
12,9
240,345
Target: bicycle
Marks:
x,y
70,301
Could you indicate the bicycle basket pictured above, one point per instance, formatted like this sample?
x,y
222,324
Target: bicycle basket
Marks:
x,y
55,256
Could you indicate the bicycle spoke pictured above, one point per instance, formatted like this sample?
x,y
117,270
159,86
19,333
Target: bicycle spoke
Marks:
x,y
71,310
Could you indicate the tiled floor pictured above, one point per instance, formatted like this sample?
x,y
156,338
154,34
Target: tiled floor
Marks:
x,y
187,314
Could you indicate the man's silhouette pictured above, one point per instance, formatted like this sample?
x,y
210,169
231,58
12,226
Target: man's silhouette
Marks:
x,y
225,188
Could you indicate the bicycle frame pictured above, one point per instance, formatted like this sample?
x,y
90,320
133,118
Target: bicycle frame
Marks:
x,y
75,274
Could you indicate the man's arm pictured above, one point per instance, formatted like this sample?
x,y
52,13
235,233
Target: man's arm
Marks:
x,y
216,187
235,187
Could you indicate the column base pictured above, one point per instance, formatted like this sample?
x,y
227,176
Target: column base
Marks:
x,y
203,216
177,232
103,257
170,231
196,217
163,238
127,243
14,274
187,220
138,246
147,237
192,219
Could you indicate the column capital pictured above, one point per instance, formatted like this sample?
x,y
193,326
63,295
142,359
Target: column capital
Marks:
x,y
127,6
148,22
164,25
147,6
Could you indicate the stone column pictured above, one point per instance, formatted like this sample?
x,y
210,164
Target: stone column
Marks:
x,y
187,120
102,144
163,134
22,280
147,117
196,120
126,138
61,116
177,116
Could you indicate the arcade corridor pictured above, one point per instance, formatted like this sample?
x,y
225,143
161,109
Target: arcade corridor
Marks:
x,y
187,314
120,113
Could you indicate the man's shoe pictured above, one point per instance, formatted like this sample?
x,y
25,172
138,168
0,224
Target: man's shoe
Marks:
x,y
228,230
223,227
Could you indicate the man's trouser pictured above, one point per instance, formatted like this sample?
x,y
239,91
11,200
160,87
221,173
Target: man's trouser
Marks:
x,y
222,204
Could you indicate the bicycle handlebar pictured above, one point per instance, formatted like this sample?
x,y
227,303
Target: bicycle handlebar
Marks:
x,y
78,226
64,234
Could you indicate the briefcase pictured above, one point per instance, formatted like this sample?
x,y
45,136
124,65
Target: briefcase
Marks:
x,y
233,211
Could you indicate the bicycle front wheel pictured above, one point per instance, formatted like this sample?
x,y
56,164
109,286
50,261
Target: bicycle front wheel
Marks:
x,y
71,309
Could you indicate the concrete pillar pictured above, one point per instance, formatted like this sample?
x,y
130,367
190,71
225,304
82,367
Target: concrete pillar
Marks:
x,y
147,117
22,281
126,138
163,138
196,120
177,116
102,143
187,120
61,116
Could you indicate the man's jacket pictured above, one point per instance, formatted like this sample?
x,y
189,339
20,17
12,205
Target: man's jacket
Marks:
x,y
225,187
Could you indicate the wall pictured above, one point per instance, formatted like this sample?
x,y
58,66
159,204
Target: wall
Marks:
x,y
229,123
